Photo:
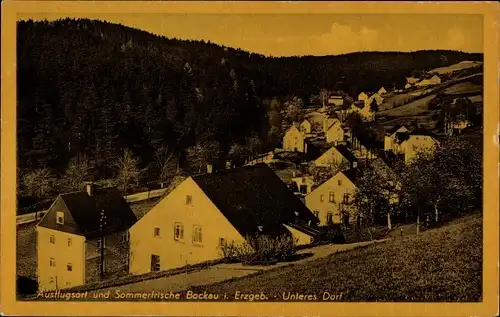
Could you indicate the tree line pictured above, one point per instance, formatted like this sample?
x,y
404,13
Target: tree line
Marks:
x,y
93,96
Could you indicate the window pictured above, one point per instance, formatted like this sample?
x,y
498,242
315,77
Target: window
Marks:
x,y
339,182
222,242
156,232
316,213
178,231
70,243
329,218
52,239
346,199
322,198
125,236
52,262
101,243
189,199
51,280
331,197
60,217
197,234
155,263
69,267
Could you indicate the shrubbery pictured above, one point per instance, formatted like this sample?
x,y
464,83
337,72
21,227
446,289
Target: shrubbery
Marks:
x,y
259,249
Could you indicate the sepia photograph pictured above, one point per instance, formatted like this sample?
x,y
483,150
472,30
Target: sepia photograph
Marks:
x,y
245,157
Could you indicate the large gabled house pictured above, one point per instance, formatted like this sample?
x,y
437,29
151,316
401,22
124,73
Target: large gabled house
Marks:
x,y
337,155
393,138
335,133
206,212
294,140
74,240
418,141
333,201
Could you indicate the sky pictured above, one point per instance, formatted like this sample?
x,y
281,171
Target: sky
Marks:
x,y
311,34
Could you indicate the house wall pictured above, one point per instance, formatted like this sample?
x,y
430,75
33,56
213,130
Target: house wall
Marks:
x,y
58,276
300,237
305,127
294,140
335,133
318,200
332,156
116,257
307,181
174,209
417,144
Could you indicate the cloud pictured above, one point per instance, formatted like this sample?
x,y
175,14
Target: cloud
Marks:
x,y
343,38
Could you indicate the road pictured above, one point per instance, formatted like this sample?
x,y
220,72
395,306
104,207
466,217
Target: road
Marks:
x,y
223,272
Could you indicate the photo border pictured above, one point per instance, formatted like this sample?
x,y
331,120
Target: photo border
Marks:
x,y
489,306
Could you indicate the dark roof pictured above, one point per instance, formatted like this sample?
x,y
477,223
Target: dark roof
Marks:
x,y
346,153
394,129
253,196
86,211
402,136
352,174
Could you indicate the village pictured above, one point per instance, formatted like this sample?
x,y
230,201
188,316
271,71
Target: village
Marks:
x,y
310,191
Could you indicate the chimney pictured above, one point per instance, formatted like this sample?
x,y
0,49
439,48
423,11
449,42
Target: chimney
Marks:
x,y
90,188
209,168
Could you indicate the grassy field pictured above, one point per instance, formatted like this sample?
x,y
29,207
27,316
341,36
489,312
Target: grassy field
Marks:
x,y
413,108
455,67
443,264
462,88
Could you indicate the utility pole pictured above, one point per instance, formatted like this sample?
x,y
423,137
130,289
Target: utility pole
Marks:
x,y
101,226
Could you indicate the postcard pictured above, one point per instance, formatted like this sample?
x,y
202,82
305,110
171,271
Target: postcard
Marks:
x,y
249,158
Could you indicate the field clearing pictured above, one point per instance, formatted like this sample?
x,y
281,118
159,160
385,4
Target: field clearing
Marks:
x,y
463,88
456,67
443,264
413,108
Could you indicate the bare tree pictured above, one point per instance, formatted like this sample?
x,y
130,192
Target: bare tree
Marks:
x,y
163,157
79,170
38,183
294,109
128,169
203,153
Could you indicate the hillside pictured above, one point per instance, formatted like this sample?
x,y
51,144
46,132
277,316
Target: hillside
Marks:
x,y
442,264
91,89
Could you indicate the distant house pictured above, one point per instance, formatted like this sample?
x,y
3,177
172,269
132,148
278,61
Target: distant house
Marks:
x,y
392,137
382,91
304,184
454,128
305,127
434,80
335,101
328,122
408,86
379,99
337,155
418,141
335,133
333,201
70,238
412,81
206,212
294,140
362,96
364,109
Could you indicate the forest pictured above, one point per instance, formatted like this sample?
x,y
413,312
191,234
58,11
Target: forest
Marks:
x,y
95,97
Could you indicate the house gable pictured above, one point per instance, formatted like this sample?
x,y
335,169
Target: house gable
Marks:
x,y
330,156
189,208
49,221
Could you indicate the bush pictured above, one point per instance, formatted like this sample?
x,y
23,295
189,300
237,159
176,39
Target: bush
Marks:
x,y
26,285
259,250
